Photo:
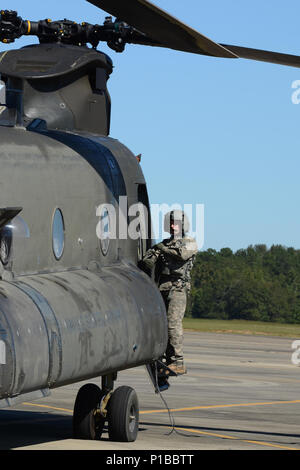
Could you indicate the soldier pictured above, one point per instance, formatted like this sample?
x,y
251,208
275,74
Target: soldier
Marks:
x,y
173,261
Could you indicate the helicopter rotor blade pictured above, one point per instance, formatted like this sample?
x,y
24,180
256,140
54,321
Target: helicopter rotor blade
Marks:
x,y
161,29
164,29
265,56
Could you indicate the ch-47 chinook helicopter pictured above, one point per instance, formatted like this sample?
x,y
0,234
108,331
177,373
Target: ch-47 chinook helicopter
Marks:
x,y
73,303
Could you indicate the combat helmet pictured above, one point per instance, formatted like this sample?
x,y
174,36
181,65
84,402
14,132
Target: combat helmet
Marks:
x,y
176,216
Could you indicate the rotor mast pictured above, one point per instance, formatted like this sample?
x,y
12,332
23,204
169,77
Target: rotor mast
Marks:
x,y
115,33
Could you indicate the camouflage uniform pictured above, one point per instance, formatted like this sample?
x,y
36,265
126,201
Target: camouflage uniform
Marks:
x,y
173,259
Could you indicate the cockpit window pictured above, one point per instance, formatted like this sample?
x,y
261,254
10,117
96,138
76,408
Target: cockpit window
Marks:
x,y
15,228
19,227
5,244
58,234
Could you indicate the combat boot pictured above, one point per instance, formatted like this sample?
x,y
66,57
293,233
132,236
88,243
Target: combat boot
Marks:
x,y
178,367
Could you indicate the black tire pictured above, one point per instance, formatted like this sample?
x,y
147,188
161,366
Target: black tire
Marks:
x,y
123,415
87,423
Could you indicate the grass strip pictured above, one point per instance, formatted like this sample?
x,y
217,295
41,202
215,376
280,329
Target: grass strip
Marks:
x,y
243,327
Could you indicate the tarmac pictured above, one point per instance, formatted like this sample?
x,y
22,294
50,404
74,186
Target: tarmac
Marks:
x,y
241,392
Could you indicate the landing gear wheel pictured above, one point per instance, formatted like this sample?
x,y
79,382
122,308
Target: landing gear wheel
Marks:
x,y
123,415
87,420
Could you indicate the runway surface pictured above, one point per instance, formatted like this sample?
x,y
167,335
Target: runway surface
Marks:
x,y
240,393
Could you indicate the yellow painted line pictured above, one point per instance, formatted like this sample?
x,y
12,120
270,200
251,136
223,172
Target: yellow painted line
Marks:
x,y
206,407
247,378
193,408
236,438
47,406
271,445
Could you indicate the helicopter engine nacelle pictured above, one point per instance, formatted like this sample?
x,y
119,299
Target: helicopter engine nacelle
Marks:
x,y
67,327
62,85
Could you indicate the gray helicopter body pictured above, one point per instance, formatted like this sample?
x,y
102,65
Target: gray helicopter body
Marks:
x,y
83,311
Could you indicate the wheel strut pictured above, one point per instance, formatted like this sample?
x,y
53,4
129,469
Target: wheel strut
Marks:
x,y
94,406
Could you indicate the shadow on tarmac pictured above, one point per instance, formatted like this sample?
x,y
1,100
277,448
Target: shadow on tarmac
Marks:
x,y
24,428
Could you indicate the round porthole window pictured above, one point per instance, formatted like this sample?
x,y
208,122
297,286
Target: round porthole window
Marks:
x,y
58,234
104,231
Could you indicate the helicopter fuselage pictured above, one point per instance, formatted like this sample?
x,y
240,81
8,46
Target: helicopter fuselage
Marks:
x,y
73,303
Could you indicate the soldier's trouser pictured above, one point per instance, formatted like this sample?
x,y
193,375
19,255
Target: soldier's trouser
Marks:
x,y
175,301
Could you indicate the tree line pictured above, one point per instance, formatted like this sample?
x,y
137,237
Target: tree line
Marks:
x,y
255,283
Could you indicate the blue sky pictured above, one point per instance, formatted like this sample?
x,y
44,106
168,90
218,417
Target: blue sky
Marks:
x,y
223,133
